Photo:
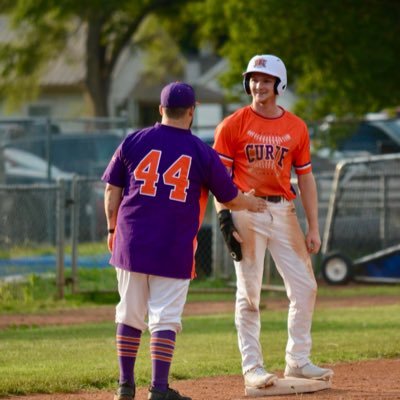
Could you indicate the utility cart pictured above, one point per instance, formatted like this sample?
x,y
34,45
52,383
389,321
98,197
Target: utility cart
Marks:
x,y
361,238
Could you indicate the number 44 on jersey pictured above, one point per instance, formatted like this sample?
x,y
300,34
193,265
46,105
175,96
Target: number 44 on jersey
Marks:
x,y
177,175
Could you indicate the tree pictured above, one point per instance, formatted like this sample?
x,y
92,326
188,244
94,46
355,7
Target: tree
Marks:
x,y
341,56
44,27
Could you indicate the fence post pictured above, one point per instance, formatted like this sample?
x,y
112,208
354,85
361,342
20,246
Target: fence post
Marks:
x,y
383,225
2,166
75,202
60,217
48,149
332,207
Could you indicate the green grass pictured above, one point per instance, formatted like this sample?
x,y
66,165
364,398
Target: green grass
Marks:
x,y
98,286
356,290
71,358
32,249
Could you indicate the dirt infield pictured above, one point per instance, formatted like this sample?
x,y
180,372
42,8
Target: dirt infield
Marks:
x,y
376,379
369,380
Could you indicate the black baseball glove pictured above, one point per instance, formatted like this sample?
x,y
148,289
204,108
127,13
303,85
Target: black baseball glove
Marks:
x,y
227,229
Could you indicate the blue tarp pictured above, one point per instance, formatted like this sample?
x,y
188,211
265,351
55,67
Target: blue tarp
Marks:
x,y
385,267
47,263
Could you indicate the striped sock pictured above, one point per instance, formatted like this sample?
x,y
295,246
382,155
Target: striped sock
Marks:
x,y
128,341
162,345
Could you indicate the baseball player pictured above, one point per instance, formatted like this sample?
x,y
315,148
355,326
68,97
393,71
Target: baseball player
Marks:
x,y
260,144
155,198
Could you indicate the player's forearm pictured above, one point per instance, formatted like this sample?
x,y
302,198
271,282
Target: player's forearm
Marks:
x,y
112,201
309,199
238,203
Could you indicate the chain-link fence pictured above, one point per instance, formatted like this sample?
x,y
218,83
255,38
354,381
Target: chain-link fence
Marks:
x,y
31,237
364,210
55,222
58,225
60,229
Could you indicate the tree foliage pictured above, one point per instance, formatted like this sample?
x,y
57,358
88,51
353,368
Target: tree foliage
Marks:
x,y
341,56
44,27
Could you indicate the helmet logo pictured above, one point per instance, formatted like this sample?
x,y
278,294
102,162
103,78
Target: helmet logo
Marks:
x,y
260,63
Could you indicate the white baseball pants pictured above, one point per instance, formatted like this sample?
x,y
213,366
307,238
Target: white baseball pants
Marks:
x,y
161,299
278,230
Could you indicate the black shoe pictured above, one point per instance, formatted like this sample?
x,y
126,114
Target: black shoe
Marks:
x,y
170,394
125,391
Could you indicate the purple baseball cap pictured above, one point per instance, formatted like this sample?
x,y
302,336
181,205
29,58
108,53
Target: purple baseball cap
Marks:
x,y
178,95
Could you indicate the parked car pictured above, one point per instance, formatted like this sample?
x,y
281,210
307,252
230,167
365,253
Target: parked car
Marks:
x,y
374,137
370,137
82,154
22,167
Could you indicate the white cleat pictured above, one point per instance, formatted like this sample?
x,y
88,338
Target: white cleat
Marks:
x,y
309,371
258,377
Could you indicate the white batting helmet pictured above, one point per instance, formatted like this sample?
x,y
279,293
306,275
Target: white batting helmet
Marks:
x,y
266,64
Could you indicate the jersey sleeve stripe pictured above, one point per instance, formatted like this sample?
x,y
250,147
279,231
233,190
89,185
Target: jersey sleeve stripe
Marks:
x,y
302,167
225,158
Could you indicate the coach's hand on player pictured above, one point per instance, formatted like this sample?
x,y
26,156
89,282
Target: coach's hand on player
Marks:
x,y
313,241
257,204
230,234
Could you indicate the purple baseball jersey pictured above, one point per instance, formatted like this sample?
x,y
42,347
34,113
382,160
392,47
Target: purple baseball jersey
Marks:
x,y
165,173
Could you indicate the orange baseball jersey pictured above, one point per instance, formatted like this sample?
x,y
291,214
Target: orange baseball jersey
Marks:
x,y
260,152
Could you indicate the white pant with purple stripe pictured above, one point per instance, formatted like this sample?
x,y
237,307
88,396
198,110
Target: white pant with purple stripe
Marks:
x,y
160,299
278,230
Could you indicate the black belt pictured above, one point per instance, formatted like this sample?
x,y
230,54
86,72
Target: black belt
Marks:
x,y
273,199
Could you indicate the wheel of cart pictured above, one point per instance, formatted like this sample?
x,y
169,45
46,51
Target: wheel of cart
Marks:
x,y
336,269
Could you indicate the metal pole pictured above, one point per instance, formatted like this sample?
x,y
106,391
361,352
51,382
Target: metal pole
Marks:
x,y
332,208
49,175
2,165
48,149
60,276
383,210
93,217
75,200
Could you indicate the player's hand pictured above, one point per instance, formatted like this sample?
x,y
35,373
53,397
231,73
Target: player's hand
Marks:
x,y
313,241
256,204
230,234
110,241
